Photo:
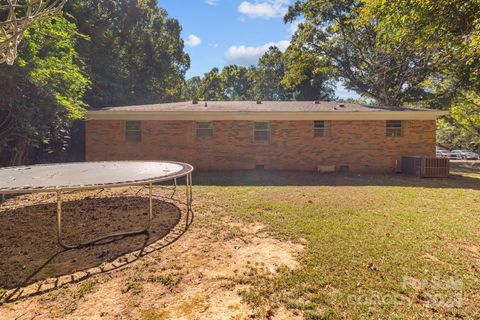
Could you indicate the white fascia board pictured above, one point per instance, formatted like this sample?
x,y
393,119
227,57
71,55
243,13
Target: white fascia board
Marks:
x,y
286,116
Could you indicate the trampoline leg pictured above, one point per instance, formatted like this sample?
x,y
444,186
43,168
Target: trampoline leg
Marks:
x,y
150,207
59,222
174,187
189,193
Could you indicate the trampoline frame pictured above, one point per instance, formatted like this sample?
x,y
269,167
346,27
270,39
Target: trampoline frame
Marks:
x,y
186,172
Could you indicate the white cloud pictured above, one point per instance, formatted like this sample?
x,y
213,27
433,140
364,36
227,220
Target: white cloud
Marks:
x,y
243,55
212,2
264,9
193,41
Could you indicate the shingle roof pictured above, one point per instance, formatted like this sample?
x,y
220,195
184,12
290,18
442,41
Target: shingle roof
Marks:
x,y
252,106
265,111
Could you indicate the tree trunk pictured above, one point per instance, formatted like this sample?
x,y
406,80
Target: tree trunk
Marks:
x,y
18,156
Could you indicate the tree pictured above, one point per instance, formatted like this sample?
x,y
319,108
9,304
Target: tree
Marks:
x,y
135,52
269,75
212,87
451,136
452,28
233,83
238,82
366,62
41,94
294,75
465,112
193,88
308,75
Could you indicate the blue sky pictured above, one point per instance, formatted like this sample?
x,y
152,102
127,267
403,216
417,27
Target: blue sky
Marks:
x,y
223,32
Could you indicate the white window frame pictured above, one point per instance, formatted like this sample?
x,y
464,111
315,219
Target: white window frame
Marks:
x,y
255,130
209,129
392,129
321,132
127,131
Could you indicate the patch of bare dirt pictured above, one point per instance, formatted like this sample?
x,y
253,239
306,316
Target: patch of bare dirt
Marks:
x,y
172,275
464,248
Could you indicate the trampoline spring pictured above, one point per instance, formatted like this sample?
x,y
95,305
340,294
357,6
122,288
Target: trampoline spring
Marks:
x,y
140,189
100,191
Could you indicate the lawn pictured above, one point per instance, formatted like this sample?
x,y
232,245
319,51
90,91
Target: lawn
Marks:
x,y
263,245
375,246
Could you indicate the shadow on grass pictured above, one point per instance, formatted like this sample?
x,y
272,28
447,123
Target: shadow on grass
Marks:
x,y
299,178
32,262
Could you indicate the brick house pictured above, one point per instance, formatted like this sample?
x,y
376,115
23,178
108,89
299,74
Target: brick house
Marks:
x,y
306,135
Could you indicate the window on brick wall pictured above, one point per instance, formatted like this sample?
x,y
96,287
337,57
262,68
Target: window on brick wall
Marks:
x,y
394,128
321,128
133,131
261,131
204,129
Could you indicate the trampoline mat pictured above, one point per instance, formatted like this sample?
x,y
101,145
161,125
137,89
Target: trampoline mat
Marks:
x,y
50,177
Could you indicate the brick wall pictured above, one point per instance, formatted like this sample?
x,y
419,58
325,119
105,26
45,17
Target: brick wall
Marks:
x,y
361,145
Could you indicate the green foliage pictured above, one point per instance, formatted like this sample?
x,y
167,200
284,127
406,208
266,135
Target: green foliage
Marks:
x,y
421,52
376,68
42,92
269,75
238,82
135,55
213,86
451,29
130,49
294,75
53,64
465,117
308,75
451,136
194,87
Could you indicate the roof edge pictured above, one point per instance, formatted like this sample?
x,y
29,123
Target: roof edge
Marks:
x,y
259,115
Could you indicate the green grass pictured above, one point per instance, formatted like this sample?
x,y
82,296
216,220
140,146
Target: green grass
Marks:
x,y
134,283
84,288
169,280
378,246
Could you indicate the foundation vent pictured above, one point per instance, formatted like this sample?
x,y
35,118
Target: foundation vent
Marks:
x,y
325,168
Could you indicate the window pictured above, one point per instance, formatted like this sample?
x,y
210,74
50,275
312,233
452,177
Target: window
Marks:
x,y
321,128
261,131
204,129
394,128
133,131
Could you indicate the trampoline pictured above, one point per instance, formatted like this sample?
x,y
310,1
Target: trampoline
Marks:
x,y
63,177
